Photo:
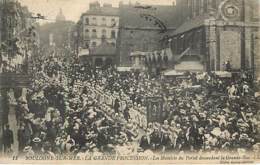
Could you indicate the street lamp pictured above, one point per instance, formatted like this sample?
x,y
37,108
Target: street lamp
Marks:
x,y
76,37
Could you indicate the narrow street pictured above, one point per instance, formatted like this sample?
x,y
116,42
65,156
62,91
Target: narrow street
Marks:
x,y
150,77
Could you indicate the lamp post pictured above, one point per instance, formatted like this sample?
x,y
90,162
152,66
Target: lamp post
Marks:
x,y
76,37
170,48
254,54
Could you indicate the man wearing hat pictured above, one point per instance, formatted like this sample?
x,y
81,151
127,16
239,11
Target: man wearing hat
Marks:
x,y
21,137
37,146
8,139
116,105
155,139
126,113
144,142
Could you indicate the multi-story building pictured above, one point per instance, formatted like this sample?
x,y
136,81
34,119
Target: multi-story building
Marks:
x,y
99,23
97,34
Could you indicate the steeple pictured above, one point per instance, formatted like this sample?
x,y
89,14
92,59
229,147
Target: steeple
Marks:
x,y
60,16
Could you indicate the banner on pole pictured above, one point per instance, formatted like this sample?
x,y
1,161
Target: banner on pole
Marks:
x,y
154,109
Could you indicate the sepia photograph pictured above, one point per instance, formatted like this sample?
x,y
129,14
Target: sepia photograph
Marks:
x,y
129,81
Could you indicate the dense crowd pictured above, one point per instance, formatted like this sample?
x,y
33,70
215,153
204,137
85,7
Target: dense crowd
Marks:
x,y
77,109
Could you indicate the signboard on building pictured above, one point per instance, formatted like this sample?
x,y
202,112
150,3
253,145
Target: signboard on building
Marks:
x,y
154,109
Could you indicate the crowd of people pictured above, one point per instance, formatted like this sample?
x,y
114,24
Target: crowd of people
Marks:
x,y
73,108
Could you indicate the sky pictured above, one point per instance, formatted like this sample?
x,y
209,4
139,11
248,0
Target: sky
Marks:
x,y
72,9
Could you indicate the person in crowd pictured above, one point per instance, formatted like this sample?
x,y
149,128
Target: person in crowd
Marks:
x,y
144,143
116,105
21,138
83,112
8,139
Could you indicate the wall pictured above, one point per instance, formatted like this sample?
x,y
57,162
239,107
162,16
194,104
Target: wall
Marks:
x,y
256,54
136,40
189,65
230,49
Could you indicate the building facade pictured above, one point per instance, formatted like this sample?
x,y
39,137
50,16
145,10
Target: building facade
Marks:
x,y
18,42
98,23
217,32
19,38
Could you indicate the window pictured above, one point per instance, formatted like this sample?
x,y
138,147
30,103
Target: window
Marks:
x,y
87,45
103,21
256,11
94,33
113,34
87,33
94,44
213,3
94,21
113,22
87,21
104,33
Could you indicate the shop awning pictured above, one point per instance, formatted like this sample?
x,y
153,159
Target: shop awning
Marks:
x,y
223,74
83,52
138,53
173,73
124,69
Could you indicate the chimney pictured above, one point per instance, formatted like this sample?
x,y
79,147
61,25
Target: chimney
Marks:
x,y
94,6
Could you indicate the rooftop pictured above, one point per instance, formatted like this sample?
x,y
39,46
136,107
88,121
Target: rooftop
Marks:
x,y
105,10
131,15
191,24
